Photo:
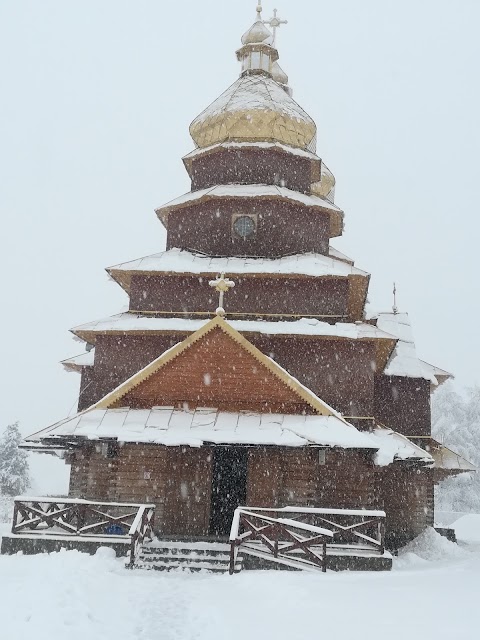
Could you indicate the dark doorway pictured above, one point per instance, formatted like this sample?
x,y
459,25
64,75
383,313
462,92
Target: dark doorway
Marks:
x,y
229,487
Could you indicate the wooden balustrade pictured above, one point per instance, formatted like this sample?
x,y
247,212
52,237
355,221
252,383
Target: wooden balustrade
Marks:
x,y
76,518
304,538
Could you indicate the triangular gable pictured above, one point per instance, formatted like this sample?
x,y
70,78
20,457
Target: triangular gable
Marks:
x,y
195,364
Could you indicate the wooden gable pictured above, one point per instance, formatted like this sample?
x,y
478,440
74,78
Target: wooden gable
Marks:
x,y
216,372
216,367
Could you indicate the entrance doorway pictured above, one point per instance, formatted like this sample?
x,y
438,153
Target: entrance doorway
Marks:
x,y
229,487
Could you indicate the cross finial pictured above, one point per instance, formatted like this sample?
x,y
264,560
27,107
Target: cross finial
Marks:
x,y
395,308
222,285
275,23
259,11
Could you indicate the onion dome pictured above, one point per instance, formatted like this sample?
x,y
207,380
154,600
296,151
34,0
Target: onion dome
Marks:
x,y
259,105
257,34
278,74
254,108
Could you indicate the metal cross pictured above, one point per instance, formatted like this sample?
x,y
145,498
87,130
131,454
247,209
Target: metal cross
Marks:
x,y
222,285
395,308
275,23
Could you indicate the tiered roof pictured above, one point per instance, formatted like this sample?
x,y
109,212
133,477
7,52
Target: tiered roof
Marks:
x,y
187,262
114,418
259,192
404,361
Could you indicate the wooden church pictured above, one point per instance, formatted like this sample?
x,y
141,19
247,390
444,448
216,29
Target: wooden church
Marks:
x,y
285,393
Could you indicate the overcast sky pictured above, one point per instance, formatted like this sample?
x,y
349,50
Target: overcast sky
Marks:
x,y
96,99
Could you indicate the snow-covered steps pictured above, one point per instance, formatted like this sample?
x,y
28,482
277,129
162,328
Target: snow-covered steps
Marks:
x,y
167,555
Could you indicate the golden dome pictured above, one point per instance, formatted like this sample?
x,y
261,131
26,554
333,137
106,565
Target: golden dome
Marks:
x,y
325,187
254,108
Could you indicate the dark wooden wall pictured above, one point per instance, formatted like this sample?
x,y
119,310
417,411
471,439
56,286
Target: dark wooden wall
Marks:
x,y
252,166
178,481
339,372
403,404
294,477
251,296
283,228
407,496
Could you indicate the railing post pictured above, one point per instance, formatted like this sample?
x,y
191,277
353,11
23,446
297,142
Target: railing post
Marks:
x,y
381,531
324,548
80,517
133,553
15,516
231,567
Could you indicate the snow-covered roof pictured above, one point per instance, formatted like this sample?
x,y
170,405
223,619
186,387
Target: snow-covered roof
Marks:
x,y
335,253
179,261
175,427
445,459
256,191
302,153
78,362
254,93
125,322
404,361
249,191
393,446
179,427
441,375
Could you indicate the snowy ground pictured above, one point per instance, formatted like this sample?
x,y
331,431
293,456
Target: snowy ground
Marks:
x,y
431,594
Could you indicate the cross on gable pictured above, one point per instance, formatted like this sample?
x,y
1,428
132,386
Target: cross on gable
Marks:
x,y
275,23
222,285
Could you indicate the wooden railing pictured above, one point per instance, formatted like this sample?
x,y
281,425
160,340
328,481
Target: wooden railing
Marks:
x,y
304,538
141,529
76,518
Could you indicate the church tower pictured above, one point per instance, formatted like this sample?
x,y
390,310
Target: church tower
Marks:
x,y
295,348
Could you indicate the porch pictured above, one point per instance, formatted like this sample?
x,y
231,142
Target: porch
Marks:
x,y
45,524
293,538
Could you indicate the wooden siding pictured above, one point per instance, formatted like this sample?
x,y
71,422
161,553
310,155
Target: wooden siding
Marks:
x,y
301,296
282,228
252,166
178,480
216,372
406,495
283,477
340,372
403,404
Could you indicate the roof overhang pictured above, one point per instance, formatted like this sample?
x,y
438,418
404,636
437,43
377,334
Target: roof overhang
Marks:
x,y
446,461
303,328
275,146
77,363
259,192
181,262
200,427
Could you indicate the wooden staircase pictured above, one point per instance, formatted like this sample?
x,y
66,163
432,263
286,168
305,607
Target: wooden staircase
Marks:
x,y
168,555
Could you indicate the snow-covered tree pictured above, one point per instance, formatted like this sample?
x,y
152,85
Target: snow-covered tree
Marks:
x,y
456,423
14,471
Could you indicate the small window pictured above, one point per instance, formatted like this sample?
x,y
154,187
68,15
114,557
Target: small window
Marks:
x,y
244,226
